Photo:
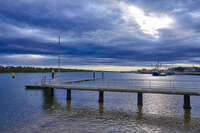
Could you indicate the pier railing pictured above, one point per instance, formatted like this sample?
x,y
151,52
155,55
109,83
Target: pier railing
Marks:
x,y
143,83
186,88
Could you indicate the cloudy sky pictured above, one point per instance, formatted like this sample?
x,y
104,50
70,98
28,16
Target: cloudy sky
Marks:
x,y
101,34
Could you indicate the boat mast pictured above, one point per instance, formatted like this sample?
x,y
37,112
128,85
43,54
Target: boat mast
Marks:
x,y
157,65
59,55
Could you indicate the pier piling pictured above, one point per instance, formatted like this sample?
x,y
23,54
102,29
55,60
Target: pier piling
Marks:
x,y
101,95
68,86
94,75
52,91
68,94
140,99
187,102
52,74
102,75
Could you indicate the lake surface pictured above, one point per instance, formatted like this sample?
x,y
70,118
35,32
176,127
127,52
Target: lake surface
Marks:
x,y
34,111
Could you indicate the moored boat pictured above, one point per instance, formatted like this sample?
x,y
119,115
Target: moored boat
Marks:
x,y
155,73
163,74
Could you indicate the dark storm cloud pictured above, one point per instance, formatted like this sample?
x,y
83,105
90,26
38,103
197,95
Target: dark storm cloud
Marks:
x,y
96,32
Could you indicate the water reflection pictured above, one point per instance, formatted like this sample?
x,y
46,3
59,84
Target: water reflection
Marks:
x,y
139,113
103,116
68,107
187,118
84,114
49,102
101,108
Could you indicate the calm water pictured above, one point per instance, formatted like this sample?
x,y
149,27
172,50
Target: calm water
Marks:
x,y
34,111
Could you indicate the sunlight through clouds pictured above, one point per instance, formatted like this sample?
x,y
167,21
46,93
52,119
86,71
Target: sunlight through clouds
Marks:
x,y
115,33
149,23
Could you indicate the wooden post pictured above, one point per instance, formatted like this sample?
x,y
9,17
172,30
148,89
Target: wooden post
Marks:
x,y
52,74
101,93
102,75
140,99
68,94
52,91
186,102
94,75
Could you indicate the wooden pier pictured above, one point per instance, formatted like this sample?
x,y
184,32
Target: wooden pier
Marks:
x,y
101,89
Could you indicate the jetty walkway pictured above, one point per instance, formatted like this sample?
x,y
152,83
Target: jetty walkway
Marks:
x,y
131,86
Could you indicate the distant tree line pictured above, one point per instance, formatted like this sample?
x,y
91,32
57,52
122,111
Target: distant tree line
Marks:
x,y
182,69
23,69
179,69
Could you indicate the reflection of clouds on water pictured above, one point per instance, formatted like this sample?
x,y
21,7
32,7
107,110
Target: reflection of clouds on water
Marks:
x,y
84,119
160,113
162,104
106,120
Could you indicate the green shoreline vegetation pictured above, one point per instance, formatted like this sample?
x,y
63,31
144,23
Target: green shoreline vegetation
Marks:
x,y
30,69
25,69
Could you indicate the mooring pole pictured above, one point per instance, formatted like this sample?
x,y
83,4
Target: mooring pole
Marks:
x,y
68,94
52,74
187,102
101,93
93,74
52,89
102,75
140,99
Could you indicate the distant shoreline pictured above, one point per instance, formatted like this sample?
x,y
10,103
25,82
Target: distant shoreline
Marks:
x,y
27,69
20,69
40,72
